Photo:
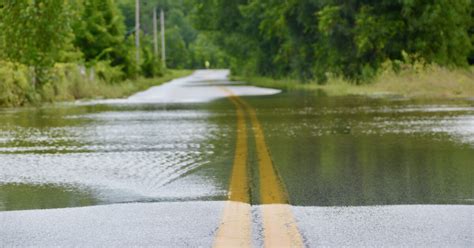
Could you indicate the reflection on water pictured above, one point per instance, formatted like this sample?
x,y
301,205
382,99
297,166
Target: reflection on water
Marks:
x,y
358,151
328,151
24,196
116,154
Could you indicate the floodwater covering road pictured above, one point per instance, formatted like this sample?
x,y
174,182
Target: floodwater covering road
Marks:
x,y
202,161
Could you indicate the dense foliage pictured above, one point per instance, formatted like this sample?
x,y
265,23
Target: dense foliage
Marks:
x,y
100,34
55,49
186,47
315,38
303,39
35,34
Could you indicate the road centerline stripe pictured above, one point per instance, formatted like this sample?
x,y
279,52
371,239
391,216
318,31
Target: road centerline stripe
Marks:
x,y
279,225
235,229
280,229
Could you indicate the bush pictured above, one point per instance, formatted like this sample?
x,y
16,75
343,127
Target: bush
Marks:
x,y
15,87
110,74
69,81
151,66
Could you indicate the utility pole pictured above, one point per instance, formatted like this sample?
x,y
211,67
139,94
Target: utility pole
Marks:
x,y
137,31
155,33
163,47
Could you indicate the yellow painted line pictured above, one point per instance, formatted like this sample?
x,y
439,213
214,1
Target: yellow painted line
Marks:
x,y
279,225
235,229
271,188
239,183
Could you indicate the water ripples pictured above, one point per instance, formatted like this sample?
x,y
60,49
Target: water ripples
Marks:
x,y
137,153
455,122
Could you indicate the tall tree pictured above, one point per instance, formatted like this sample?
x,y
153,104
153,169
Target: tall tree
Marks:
x,y
311,38
36,33
100,33
179,29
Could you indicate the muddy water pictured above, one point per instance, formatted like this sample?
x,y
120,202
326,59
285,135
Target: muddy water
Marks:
x,y
329,151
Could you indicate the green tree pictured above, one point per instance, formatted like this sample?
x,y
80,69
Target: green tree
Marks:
x,y
359,36
151,65
100,35
36,33
314,38
203,50
181,35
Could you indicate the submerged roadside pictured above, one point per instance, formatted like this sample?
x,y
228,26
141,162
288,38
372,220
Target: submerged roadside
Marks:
x,y
433,82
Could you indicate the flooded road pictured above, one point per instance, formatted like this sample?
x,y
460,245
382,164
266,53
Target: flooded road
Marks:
x,y
337,160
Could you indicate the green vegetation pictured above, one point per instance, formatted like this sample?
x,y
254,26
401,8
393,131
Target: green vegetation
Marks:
x,y
186,47
15,86
100,35
316,42
70,82
316,39
55,50
78,88
429,82
35,34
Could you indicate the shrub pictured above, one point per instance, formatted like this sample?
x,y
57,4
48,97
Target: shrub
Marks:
x,y
15,87
110,74
151,66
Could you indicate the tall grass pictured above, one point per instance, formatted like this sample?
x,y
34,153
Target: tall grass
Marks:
x,y
15,86
430,81
71,82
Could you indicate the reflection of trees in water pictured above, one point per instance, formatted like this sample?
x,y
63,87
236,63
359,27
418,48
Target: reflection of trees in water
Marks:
x,y
142,148
325,158
39,131
338,170
43,130
23,196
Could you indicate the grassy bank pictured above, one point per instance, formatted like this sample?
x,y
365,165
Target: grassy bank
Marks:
x,y
100,90
70,82
430,82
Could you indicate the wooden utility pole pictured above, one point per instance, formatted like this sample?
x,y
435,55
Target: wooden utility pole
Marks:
x,y
137,31
155,32
163,46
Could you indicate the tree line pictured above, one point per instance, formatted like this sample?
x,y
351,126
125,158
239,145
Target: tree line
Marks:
x,y
99,34
187,47
314,39
304,39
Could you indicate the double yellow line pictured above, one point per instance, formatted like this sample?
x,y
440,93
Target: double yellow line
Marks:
x,y
279,227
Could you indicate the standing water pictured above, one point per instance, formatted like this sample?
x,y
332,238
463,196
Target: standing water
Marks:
x,y
179,146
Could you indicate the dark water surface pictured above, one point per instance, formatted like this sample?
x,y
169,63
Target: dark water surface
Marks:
x,y
329,151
